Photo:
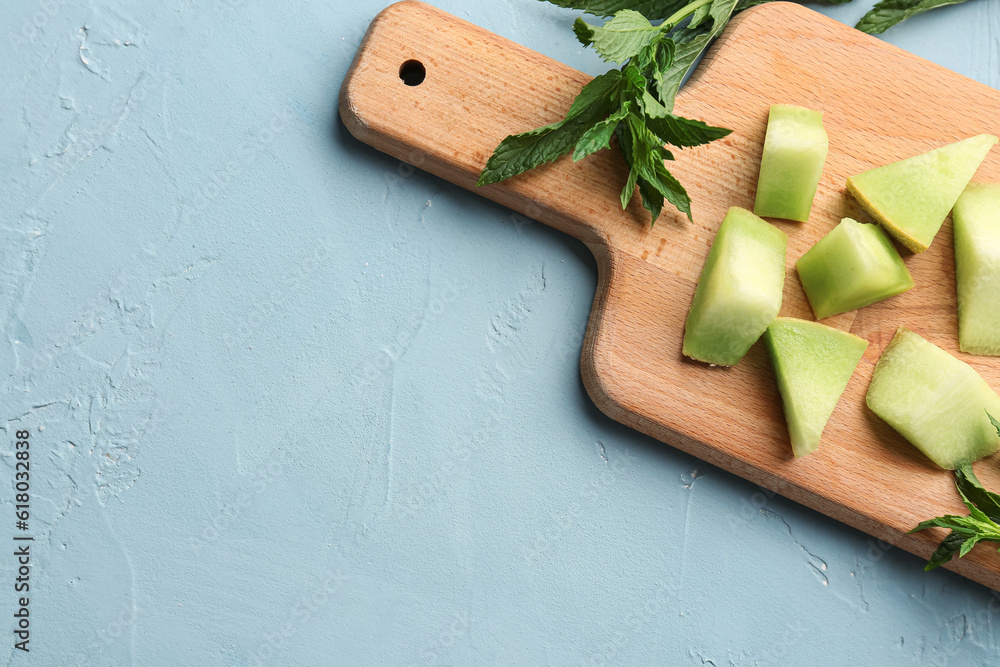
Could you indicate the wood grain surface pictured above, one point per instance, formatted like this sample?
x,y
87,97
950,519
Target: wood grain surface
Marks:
x,y
880,104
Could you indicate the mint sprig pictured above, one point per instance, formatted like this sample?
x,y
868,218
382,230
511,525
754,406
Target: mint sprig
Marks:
x,y
632,104
981,525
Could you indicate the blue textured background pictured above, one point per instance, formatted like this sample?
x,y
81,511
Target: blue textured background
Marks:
x,y
292,403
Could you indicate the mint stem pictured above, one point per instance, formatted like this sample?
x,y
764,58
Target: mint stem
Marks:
x,y
685,11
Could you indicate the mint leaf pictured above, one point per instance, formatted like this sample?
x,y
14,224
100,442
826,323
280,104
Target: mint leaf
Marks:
x,y
654,10
602,89
677,130
980,525
970,488
888,13
621,38
599,136
629,189
690,44
520,152
655,182
945,551
652,200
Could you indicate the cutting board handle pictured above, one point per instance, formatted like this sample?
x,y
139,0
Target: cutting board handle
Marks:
x,y
440,93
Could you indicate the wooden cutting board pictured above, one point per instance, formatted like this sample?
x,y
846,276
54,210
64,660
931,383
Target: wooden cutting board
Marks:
x,y
880,104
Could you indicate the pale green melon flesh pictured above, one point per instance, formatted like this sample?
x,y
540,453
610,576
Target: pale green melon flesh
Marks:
x,y
977,265
813,364
935,401
795,148
851,267
912,197
739,292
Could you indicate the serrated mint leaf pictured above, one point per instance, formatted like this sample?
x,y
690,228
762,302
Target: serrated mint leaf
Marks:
x,y
888,13
688,52
945,551
967,531
635,77
698,16
520,152
972,490
619,39
629,188
677,130
599,136
654,10
652,200
601,90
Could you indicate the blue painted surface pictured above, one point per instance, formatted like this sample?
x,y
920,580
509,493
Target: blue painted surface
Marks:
x,y
293,404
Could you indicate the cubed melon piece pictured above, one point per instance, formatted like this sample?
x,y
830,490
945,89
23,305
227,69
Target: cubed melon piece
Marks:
x,y
795,148
912,197
977,265
851,267
739,292
935,401
813,364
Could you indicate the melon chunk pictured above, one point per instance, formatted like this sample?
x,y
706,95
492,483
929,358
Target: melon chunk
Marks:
x,y
739,292
795,148
912,197
851,267
813,364
935,401
977,265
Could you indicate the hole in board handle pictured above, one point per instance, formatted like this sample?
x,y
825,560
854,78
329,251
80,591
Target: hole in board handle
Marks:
x,y
412,72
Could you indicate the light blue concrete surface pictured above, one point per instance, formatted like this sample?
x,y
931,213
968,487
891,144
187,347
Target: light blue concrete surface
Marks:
x,y
291,403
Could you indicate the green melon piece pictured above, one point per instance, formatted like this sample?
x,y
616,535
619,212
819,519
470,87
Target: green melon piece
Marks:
x,y
739,292
935,401
795,148
851,267
813,364
977,265
912,197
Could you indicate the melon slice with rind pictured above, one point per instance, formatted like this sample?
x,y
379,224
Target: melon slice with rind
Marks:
x,y
911,198
739,291
791,165
853,266
937,402
813,364
977,268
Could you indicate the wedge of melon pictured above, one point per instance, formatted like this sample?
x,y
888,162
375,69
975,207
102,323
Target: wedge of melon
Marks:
x,y
795,148
813,364
739,292
912,197
977,265
851,267
935,401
